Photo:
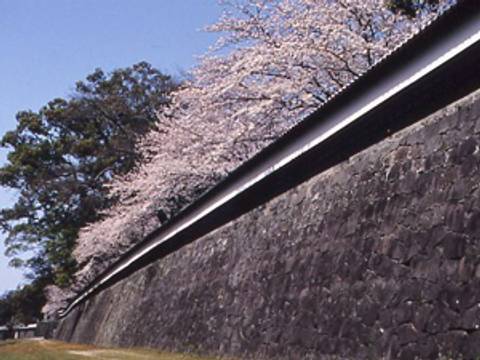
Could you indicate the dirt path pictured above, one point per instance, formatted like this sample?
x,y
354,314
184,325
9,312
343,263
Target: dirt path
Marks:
x,y
110,354
40,349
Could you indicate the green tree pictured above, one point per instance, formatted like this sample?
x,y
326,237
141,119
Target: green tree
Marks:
x,y
413,7
61,156
23,305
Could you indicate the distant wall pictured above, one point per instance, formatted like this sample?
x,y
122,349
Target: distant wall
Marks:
x,y
24,334
45,329
379,256
5,334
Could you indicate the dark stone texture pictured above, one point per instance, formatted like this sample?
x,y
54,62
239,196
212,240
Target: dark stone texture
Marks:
x,y
377,257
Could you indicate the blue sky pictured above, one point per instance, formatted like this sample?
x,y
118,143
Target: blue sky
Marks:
x,y
46,46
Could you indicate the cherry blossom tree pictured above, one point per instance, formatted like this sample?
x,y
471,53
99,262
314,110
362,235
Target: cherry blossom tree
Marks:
x,y
275,63
57,298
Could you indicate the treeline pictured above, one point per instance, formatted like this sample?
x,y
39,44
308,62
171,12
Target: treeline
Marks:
x,y
59,161
97,171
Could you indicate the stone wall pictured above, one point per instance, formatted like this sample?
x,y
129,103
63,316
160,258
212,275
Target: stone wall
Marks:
x,y
377,257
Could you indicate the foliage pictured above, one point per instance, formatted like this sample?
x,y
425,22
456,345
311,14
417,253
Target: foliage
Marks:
x,y
61,156
277,61
413,8
23,305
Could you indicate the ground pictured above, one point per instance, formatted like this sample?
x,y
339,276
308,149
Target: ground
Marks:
x,y
55,350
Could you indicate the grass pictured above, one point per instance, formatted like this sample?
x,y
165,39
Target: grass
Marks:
x,y
56,350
